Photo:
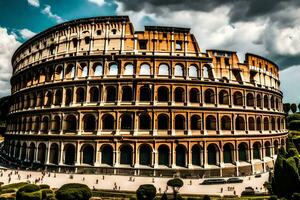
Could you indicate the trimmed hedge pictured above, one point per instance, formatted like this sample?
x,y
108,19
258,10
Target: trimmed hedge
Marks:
x,y
176,182
29,192
293,117
146,192
9,190
14,185
294,125
44,186
73,191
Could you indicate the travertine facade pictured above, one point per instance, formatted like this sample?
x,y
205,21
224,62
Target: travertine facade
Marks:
x,y
92,94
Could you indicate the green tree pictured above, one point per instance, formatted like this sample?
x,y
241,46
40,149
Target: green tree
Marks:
x,y
176,184
73,191
294,107
29,192
286,108
146,192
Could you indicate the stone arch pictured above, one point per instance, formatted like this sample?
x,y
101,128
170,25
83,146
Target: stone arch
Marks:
x,y
42,153
196,122
266,101
228,153
266,124
59,73
180,155
144,121
179,122
23,151
126,122
129,69
71,123
258,101
238,98
45,124
163,122
145,69
242,150
163,70
208,72
89,123
107,154
209,96
97,69
197,155
80,95
113,69
127,93
31,152
251,123
268,149
194,95
258,124
126,152
250,99
239,123
108,122
179,94
178,70
212,154
70,71
257,150
145,154
164,155
211,123
145,93
111,94
163,94
56,123
54,154
94,94
223,97
193,71
88,152
225,123
69,154
58,97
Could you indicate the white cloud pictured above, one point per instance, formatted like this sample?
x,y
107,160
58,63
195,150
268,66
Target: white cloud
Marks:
x,y
8,44
47,11
98,2
290,84
34,3
26,33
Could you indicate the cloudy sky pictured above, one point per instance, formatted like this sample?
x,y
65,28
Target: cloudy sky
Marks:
x,y
270,28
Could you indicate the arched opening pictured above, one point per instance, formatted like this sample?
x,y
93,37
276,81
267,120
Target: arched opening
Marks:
x,y
223,97
250,99
211,123
71,123
180,156
258,101
128,69
209,96
163,122
145,155
239,123
70,71
163,70
225,123
107,155
179,94
258,124
163,155
242,148
145,93
212,154
84,70
196,122
207,72
89,123
276,147
94,94
238,98
45,124
266,101
23,151
194,95
80,95
58,97
256,150
48,99
193,71
278,124
179,122
163,94
126,93
228,153
59,73
197,155
17,151
111,94
251,123
69,96
42,153
69,154
268,149
53,157
126,122
178,70
273,124
144,121
145,69
98,69
126,155
108,122
88,155
266,123
56,124
113,69
31,152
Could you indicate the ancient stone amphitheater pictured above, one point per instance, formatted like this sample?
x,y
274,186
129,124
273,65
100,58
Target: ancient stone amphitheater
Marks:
x,y
92,95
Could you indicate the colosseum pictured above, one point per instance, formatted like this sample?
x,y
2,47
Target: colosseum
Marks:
x,y
94,96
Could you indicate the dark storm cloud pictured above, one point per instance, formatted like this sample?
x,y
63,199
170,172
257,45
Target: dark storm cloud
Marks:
x,y
241,10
